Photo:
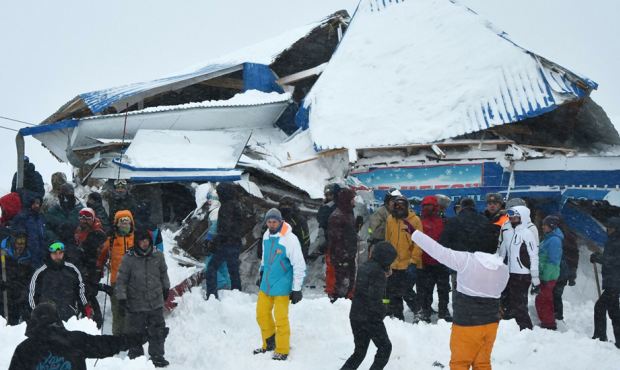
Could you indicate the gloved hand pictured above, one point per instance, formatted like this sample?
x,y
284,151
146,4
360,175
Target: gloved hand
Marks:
x,y
165,294
295,296
412,272
596,257
260,278
535,290
571,282
88,311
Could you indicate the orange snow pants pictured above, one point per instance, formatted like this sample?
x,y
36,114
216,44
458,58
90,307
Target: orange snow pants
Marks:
x,y
268,307
471,346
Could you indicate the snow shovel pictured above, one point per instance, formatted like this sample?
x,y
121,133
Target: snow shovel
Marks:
x,y
5,299
598,284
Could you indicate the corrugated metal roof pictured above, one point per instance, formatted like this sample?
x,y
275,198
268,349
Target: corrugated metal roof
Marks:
x,y
421,71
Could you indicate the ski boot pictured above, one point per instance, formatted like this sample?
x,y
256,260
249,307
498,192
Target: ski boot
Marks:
x,y
445,314
135,352
271,345
159,361
279,356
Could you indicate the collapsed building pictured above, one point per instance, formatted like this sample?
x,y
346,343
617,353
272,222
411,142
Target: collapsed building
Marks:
x,y
425,96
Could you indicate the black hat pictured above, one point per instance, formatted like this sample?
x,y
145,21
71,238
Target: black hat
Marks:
x,y
495,197
467,203
43,316
142,234
551,221
67,189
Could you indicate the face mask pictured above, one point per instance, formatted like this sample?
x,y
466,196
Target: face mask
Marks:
x,y
124,229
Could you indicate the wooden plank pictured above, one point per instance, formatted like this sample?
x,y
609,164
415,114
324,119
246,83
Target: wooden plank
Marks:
x,y
318,156
225,82
287,80
552,148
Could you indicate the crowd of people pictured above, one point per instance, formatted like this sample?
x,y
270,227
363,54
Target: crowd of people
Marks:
x,y
56,250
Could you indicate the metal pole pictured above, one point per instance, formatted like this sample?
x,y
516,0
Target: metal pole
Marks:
x,y
19,143
598,284
5,298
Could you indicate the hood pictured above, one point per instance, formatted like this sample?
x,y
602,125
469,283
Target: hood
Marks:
x,y
384,254
555,232
344,200
43,318
432,200
524,212
226,191
11,204
124,213
28,197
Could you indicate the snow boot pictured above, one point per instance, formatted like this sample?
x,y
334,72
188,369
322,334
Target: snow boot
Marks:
x,y
445,314
271,345
426,316
279,356
602,338
159,361
135,352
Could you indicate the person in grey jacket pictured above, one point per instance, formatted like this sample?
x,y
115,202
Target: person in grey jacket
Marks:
x,y
142,287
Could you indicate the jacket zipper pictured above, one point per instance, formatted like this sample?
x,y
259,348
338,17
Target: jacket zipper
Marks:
x,y
271,258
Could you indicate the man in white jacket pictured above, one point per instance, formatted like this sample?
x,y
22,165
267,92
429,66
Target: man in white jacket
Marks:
x,y
519,251
481,277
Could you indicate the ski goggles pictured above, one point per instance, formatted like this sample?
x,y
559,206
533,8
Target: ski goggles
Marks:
x,y
512,213
55,247
124,220
86,217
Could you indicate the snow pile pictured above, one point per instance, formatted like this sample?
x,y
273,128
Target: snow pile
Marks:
x,y
422,71
223,334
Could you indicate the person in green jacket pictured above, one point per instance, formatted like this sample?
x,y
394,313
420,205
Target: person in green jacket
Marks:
x,y
549,258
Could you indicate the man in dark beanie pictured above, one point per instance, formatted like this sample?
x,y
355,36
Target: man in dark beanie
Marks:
x,y
49,345
64,214
368,310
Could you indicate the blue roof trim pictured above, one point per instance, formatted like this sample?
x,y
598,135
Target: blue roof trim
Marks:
x,y
60,125
185,178
163,169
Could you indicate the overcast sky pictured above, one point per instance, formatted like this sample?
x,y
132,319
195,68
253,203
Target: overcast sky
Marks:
x,y
53,50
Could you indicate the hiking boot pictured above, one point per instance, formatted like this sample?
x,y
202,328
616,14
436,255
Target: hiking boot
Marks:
x,y
279,356
445,315
602,338
135,353
159,361
426,316
271,345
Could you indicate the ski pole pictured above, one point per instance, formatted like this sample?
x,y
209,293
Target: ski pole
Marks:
x,y
598,284
5,298
105,301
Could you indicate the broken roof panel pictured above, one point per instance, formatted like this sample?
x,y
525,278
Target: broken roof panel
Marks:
x,y
427,70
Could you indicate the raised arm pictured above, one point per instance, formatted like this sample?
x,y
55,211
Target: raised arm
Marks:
x,y
450,258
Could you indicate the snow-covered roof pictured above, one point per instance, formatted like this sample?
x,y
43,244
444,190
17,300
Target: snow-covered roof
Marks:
x,y
427,70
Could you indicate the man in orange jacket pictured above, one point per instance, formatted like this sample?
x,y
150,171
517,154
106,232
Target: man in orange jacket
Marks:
x,y
113,251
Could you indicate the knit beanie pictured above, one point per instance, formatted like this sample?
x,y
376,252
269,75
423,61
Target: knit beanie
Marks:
x,y
273,214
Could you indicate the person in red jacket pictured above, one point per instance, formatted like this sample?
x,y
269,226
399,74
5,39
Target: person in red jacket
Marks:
x,y
432,272
341,248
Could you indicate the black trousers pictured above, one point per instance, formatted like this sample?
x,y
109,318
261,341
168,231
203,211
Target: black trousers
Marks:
x,y
363,333
558,305
428,277
230,255
153,323
396,291
518,287
607,304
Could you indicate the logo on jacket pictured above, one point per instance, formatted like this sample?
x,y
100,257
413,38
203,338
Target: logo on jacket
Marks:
x,y
52,362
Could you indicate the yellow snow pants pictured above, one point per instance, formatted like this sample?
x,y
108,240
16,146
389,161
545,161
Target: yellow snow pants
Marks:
x,y
471,346
268,307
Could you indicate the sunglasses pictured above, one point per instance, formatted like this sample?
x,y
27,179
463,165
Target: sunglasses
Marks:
x,y
55,247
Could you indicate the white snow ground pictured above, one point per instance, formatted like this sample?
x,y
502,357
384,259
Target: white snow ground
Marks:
x,y
222,335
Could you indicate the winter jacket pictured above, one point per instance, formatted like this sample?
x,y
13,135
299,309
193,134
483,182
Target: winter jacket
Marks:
x,y
480,280
282,267
433,226
468,229
34,225
50,346
530,225
370,284
611,262
341,232
377,222
10,204
142,280
58,218
89,241
116,246
323,214
398,233
229,216
519,247
120,202
570,256
300,227
550,255
18,274
32,181
59,283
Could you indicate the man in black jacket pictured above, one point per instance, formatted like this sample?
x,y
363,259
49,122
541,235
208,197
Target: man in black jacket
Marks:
x,y
227,242
59,282
50,346
368,309
32,179
608,301
468,228
292,215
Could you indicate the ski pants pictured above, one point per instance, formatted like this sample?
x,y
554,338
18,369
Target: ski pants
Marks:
x,y
558,305
544,305
518,287
153,323
410,297
396,291
230,255
607,304
363,333
268,308
430,276
471,346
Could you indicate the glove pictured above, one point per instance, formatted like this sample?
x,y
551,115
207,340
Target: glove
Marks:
x,y
165,294
412,272
260,278
571,282
295,296
595,257
88,311
535,290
